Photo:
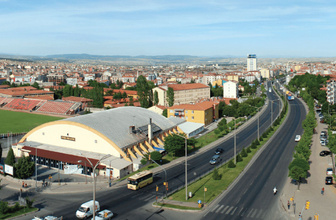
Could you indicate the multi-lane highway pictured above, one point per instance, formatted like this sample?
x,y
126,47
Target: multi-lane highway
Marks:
x,y
252,197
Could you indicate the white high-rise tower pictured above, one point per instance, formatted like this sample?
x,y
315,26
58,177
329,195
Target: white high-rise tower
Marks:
x,y
251,62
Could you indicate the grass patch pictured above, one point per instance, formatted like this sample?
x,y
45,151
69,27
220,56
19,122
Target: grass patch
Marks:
x,y
18,122
176,206
17,213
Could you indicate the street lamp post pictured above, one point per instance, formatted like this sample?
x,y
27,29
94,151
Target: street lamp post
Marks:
x,y
94,181
36,169
186,165
235,147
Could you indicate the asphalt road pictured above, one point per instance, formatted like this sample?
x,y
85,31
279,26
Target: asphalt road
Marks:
x,y
252,196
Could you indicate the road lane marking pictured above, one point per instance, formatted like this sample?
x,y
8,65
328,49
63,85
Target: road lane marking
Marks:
x,y
234,211
229,210
214,209
225,209
218,210
253,213
248,214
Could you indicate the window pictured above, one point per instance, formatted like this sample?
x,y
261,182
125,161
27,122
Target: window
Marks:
x,y
171,111
192,117
186,111
96,141
192,111
187,117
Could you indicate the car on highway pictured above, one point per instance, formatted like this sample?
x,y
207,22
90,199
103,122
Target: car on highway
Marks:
x,y
297,138
104,215
329,171
328,180
215,159
219,151
324,153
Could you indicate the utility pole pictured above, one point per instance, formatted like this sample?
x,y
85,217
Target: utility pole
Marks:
x,y
234,140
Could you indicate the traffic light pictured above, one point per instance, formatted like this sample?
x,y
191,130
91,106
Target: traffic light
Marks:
x,y
307,205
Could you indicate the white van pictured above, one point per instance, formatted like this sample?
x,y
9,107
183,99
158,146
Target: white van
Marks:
x,y
86,209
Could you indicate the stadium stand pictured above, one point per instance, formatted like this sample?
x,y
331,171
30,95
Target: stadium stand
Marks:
x,y
22,104
56,107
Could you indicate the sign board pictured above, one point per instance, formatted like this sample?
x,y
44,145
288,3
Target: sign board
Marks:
x,y
9,169
2,169
68,138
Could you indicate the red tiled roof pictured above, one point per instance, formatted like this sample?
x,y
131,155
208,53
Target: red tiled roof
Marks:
x,y
77,99
177,87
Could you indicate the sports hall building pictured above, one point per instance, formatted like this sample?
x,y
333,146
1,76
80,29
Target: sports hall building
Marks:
x,y
125,134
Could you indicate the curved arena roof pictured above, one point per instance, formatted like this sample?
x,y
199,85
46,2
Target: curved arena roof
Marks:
x,y
115,123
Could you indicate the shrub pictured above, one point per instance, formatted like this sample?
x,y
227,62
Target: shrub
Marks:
x,y
239,158
216,175
231,164
248,150
243,153
256,142
29,202
3,207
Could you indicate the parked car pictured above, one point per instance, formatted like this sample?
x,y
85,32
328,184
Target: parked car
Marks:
x,y
297,138
328,180
219,151
323,138
104,215
215,159
329,171
324,142
324,153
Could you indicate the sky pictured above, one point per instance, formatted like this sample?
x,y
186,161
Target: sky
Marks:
x,y
268,28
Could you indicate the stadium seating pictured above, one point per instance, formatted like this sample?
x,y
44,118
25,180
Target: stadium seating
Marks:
x,y
56,107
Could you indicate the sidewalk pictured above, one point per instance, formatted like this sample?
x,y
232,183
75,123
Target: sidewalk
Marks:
x,y
323,205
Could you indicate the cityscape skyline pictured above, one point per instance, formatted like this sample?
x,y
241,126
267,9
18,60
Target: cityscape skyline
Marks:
x,y
198,28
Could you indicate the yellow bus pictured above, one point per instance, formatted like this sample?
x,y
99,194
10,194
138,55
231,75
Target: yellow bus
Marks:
x,y
140,180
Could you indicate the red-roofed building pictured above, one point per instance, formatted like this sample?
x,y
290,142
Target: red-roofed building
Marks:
x,y
202,112
183,93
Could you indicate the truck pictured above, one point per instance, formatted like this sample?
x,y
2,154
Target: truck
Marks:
x,y
86,209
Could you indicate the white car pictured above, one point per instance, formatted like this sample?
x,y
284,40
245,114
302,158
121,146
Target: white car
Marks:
x,y
329,171
297,138
103,215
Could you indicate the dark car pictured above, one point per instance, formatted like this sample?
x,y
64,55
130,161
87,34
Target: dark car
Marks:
x,y
324,153
328,180
219,151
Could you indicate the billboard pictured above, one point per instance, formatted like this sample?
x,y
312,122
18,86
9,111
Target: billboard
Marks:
x,y
2,169
9,169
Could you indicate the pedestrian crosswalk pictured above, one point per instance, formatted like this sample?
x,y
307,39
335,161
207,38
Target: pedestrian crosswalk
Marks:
x,y
248,213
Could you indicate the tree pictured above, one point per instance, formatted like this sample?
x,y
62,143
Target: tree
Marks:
x,y
24,168
156,155
216,175
156,98
10,159
143,90
174,144
131,102
164,113
243,153
299,162
231,164
296,173
170,97
3,207
36,85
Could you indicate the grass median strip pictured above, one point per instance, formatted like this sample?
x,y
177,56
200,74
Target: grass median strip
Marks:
x,y
228,175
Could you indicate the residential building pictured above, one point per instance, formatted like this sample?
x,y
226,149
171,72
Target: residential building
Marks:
x,y
251,62
202,112
230,89
183,93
